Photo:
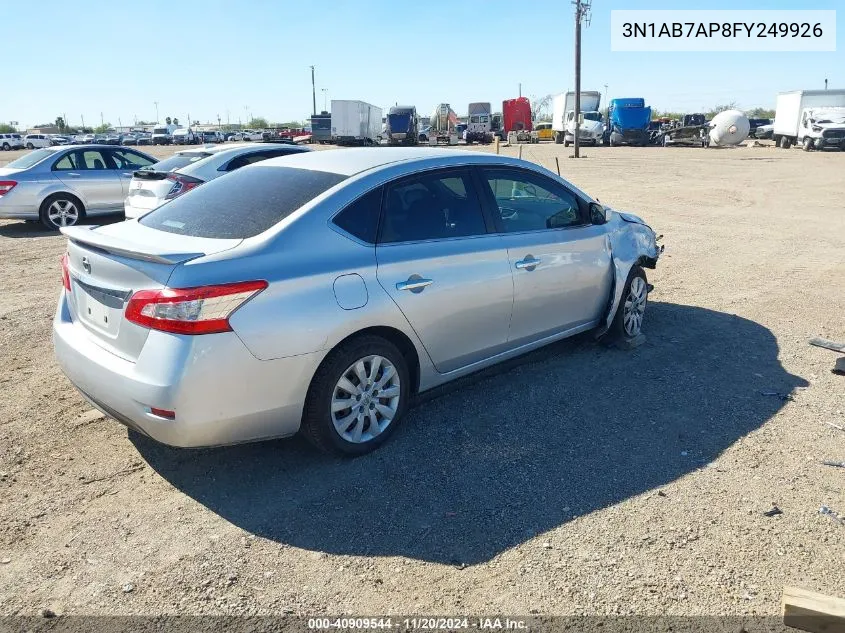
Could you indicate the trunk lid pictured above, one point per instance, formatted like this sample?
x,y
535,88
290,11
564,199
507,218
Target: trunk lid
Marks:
x,y
147,189
108,264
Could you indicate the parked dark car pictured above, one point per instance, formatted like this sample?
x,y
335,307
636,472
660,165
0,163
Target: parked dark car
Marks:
x,y
755,123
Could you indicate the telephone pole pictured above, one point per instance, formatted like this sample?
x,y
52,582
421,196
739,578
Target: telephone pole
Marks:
x,y
582,11
313,93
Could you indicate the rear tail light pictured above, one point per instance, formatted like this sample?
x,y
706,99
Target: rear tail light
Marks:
x,y
163,413
202,310
6,186
65,273
181,184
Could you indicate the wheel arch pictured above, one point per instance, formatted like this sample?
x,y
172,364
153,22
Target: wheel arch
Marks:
x,y
59,191
398,338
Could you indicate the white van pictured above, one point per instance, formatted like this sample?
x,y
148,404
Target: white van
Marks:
x,y
33,141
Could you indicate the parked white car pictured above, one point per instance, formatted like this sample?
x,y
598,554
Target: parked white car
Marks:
x,y
168,179
11,141
248,135
36,141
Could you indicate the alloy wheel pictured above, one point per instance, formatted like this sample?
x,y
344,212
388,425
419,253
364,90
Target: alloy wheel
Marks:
x,y
635,302
365,399
63,212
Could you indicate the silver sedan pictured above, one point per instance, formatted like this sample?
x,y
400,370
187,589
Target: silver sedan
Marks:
x,y
320,292
61,185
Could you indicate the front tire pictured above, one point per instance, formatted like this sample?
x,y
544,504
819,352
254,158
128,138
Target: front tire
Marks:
x,y
30,146
357,397
628,321
808,144
61,210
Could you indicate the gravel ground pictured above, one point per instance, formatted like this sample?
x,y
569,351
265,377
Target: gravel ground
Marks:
x,y
575,480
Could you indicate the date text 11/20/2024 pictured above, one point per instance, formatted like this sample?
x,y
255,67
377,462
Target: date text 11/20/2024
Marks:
x,y
419,623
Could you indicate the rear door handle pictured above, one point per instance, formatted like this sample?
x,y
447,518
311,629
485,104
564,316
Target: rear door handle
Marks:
x,y
529,263
125,175
73,174
414,284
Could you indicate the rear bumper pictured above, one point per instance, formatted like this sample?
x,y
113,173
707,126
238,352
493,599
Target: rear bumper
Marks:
x,y
220,392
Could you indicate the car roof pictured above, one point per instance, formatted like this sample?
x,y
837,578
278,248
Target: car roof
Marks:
x,y
356,160
236,147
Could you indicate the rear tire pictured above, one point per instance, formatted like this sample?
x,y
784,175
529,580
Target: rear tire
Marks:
x,y
30,146
371,417
628,321
6,147
784,142
61,209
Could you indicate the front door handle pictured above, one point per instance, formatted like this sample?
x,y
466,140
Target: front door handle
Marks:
x,y
529,263
73,174
415,284
125,175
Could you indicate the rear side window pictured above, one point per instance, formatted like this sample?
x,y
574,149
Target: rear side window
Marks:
x,y
28,160
361,217
430,207
243,204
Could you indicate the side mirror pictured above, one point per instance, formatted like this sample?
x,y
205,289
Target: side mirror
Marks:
x,y
598,214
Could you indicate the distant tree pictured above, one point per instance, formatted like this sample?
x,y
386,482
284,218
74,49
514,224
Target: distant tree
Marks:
x,y
721,108
60,124
540,108
5,128
258,123
105,127
175,121
760,113
168,120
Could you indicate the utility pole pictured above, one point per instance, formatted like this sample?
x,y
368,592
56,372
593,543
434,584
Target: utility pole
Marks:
x,y
582,10
83,120
156,102
825,84
325,91
520,89
313,92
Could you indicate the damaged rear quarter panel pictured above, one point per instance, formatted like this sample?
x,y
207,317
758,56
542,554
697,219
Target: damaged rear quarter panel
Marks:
x,y
632,242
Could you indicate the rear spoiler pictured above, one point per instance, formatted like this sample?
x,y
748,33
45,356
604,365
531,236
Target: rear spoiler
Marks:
x,y
149,174
87,237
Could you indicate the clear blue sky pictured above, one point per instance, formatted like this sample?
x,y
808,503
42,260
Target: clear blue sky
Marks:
x,y
209,57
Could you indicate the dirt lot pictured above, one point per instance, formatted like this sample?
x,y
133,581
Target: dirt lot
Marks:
x,y
578,479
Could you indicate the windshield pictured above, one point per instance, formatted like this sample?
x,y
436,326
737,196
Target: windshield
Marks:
x,y
592,116
28,160
180,159
242,204
160,130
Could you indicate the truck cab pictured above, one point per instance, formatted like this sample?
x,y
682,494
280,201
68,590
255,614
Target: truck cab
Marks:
x,y
590,130
822,127
628,121
402,125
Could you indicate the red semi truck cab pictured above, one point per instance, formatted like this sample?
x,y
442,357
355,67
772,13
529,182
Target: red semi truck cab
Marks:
x,y
516,115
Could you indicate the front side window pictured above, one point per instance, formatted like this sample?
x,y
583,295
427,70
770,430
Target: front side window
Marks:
x,y
531,202
127,159
430,207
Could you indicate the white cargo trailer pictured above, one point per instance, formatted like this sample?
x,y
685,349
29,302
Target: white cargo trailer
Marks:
x,y
355,122
794,111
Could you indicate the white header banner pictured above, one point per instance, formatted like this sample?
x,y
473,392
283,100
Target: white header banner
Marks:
x,y
722,30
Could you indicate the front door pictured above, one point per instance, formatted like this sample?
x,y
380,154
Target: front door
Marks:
x,y
448,275
561,263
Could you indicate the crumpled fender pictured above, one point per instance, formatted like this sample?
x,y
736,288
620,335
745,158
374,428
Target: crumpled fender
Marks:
x,y
632,242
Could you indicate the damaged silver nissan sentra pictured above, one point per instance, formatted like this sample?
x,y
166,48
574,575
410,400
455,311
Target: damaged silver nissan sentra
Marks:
x,y
319,292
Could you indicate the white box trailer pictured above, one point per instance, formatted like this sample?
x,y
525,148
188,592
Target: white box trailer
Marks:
x,y
790,108
355,122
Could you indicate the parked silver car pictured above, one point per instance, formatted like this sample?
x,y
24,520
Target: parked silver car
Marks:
x,y
61,185
319,292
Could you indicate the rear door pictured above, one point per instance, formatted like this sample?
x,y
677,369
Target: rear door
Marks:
x,y
561,263
438,261
91,173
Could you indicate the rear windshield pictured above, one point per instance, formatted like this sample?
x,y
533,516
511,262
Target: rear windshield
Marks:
x,y
28,160
243,204
179,160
